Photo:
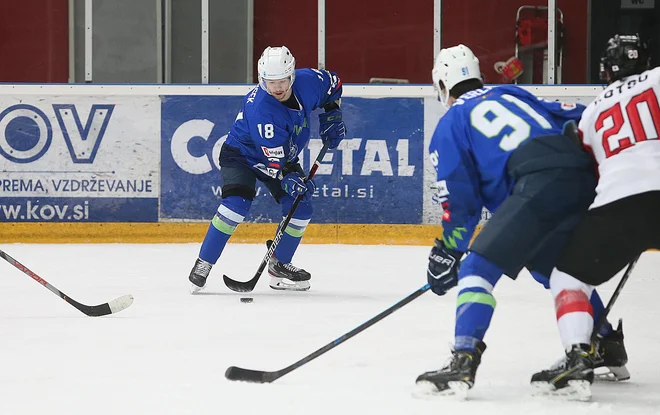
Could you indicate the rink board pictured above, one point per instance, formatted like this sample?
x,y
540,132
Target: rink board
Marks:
x,y
110,163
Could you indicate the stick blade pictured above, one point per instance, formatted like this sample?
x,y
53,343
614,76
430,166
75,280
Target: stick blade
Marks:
x,y
246,375
238,286
121,303
111,307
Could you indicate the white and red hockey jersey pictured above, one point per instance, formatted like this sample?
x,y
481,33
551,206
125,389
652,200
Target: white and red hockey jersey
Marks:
x,y
622,129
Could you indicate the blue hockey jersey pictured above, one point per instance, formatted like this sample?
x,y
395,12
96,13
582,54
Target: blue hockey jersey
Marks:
x,y
268,133
472,144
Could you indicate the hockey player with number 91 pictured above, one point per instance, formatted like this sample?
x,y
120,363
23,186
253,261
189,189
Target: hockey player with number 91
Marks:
x,y
269,133
622,130
501,148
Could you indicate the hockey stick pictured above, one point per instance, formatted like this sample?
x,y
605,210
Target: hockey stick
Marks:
x,y
258,376
247,286
603,317
111,307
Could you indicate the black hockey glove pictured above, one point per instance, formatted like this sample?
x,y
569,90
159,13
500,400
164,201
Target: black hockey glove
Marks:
x,y
442,273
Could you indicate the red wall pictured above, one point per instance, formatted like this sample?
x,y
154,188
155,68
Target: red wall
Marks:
x,y
286,22
384,39
368,38
394,39
488,28
34,41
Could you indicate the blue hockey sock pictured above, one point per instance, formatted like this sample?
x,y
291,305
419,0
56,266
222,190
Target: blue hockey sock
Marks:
x,y
541,279
295,229
599,308
230,214
475,304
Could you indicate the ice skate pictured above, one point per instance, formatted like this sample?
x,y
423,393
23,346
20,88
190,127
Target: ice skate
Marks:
x,y
457,377
611,359
287,276
198,275
572,379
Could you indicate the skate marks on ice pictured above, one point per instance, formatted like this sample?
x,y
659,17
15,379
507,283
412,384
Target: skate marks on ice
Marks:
x,y
168,352
276,295
576,390
458,391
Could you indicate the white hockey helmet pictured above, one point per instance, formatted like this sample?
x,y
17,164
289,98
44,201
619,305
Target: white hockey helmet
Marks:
x,y
276,63
453,66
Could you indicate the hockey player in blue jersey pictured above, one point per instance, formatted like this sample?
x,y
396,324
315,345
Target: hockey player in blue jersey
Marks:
x,y
265,141
500,148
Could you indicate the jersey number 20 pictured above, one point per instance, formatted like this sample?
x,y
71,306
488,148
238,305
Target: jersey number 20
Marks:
x,y
612,147
501,116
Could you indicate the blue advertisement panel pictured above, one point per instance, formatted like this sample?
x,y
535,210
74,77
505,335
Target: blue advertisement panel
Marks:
x,y
71,209
79,158
374,176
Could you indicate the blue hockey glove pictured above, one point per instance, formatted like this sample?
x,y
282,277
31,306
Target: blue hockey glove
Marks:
x,y
442,273
294,184
332,127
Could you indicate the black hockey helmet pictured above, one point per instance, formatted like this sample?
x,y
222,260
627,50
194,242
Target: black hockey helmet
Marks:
x,y
624,55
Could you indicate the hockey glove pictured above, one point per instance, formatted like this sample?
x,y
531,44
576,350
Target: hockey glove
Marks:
x,y
294,184
332,127
442,273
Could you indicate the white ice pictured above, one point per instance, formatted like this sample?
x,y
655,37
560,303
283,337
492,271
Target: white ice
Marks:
x,y
167,353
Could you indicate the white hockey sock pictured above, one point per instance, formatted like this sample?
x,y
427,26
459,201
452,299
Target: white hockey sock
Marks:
x,y
574,312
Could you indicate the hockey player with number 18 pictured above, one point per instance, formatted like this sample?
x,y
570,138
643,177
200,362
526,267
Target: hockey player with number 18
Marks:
x,y
265,141
622,129
502,148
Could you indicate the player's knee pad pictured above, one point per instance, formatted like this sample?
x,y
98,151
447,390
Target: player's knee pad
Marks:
x,y
231,213
560,281
238,190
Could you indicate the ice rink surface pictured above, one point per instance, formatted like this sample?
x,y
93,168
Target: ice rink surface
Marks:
x,y
168,352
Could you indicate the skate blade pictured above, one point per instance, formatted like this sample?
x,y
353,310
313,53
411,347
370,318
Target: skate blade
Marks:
x,y
282,284
460,389
611,374
457,390
579,390
194,289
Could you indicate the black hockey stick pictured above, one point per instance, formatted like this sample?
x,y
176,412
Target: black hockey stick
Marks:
x,y
615,295
259,376
111,307
247,286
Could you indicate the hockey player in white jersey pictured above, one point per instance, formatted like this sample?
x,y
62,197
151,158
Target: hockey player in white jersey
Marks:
x,y
622,130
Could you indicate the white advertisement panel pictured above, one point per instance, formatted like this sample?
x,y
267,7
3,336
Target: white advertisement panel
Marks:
x,y
79,158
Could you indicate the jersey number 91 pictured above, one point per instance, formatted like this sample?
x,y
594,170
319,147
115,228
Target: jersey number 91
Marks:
x,y
501,117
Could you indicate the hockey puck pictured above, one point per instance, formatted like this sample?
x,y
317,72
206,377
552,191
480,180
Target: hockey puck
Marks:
x,y
247,299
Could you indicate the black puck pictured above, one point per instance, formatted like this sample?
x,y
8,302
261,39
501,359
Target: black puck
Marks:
x,y
247,299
